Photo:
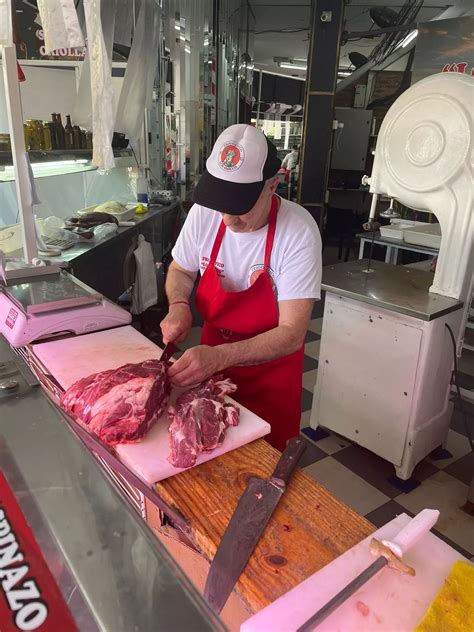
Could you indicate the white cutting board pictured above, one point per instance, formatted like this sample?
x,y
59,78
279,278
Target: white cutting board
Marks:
x,y
73,358
389,602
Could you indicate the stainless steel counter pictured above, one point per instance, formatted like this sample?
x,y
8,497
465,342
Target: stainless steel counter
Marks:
x,y
399,288
113,573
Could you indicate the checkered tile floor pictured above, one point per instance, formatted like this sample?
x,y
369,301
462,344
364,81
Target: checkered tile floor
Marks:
x,y
359,477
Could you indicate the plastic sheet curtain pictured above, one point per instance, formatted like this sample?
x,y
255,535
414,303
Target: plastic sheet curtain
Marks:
x,y
124,22
137,86
60,24
82,112
6,35
103,109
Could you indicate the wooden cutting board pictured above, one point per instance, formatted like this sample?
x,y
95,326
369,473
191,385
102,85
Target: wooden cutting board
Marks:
x,y
73,358
389,602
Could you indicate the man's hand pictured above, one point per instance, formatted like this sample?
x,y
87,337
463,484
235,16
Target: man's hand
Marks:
x,y
175,327
196,365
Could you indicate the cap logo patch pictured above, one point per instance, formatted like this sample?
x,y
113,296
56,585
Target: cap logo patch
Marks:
x,y
231,157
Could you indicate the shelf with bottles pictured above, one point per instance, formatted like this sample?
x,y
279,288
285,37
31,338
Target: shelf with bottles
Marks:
x,y
56,149
60,162
46,136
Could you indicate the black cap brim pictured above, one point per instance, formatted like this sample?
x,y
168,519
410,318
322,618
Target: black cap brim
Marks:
x,y
233,198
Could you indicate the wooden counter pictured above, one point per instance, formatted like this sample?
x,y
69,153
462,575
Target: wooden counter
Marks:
x,y
309,528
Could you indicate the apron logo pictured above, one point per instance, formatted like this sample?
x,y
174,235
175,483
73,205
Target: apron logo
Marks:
x,y
256,271
231,157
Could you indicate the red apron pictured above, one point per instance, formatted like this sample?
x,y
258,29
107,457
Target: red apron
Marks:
x,y
271,390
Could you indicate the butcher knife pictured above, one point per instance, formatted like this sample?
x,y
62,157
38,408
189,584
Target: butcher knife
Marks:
x,y
247,524
168,351
389,552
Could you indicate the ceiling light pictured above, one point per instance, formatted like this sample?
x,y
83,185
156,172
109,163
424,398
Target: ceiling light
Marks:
x,y
344,74
292,66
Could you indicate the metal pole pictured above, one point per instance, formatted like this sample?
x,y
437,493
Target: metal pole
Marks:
x,y
287,132
20,157
321,82
259,97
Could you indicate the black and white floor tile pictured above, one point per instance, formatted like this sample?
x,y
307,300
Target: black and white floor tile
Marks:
x,y
359,477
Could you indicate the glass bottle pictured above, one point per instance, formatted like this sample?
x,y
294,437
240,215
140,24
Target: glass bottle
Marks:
x,y
48,145
52,133
38,134
69,133
76,130
61,134
30,136
83,139
89,140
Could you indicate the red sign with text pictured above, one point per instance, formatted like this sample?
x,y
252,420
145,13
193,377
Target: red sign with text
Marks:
x,y
29,596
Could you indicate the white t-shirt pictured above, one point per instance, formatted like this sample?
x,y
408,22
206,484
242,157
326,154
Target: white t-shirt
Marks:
x,y
290,160
295,262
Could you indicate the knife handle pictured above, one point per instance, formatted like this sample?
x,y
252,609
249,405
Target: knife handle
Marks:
x,y
169,350
414,531
289,459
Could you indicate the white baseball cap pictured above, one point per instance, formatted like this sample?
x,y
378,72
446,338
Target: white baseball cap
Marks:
x,y
242,159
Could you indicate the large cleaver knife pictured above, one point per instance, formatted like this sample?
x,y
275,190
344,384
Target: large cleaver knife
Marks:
x,y
247,524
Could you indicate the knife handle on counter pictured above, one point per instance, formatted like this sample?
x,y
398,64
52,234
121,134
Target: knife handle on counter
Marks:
x,y
415,529
288,461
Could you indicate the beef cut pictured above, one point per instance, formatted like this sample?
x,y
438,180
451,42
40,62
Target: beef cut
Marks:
x,y
120,405
199,420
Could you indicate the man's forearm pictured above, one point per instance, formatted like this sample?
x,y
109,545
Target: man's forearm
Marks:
x,y
265,347
179,285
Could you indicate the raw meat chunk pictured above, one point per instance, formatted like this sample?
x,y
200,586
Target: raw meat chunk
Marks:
x,y
120,405
199,421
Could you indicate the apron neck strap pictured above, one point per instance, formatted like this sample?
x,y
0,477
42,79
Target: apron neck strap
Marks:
x,y
270,235
217,244
271,230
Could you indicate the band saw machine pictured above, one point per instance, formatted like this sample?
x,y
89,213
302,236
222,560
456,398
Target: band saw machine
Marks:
x,y
387,356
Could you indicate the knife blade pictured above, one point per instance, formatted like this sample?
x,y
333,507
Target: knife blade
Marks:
x,y
168,351
247,524
405,539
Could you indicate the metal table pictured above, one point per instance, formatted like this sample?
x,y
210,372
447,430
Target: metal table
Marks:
x,y
399,288
111,570
393,246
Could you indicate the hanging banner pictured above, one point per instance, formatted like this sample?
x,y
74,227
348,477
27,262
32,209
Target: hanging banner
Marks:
x,y
102,93
29,597
137,87
60,24
6,34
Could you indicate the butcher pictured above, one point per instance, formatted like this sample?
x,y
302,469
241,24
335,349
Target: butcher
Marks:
x,y
259,260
